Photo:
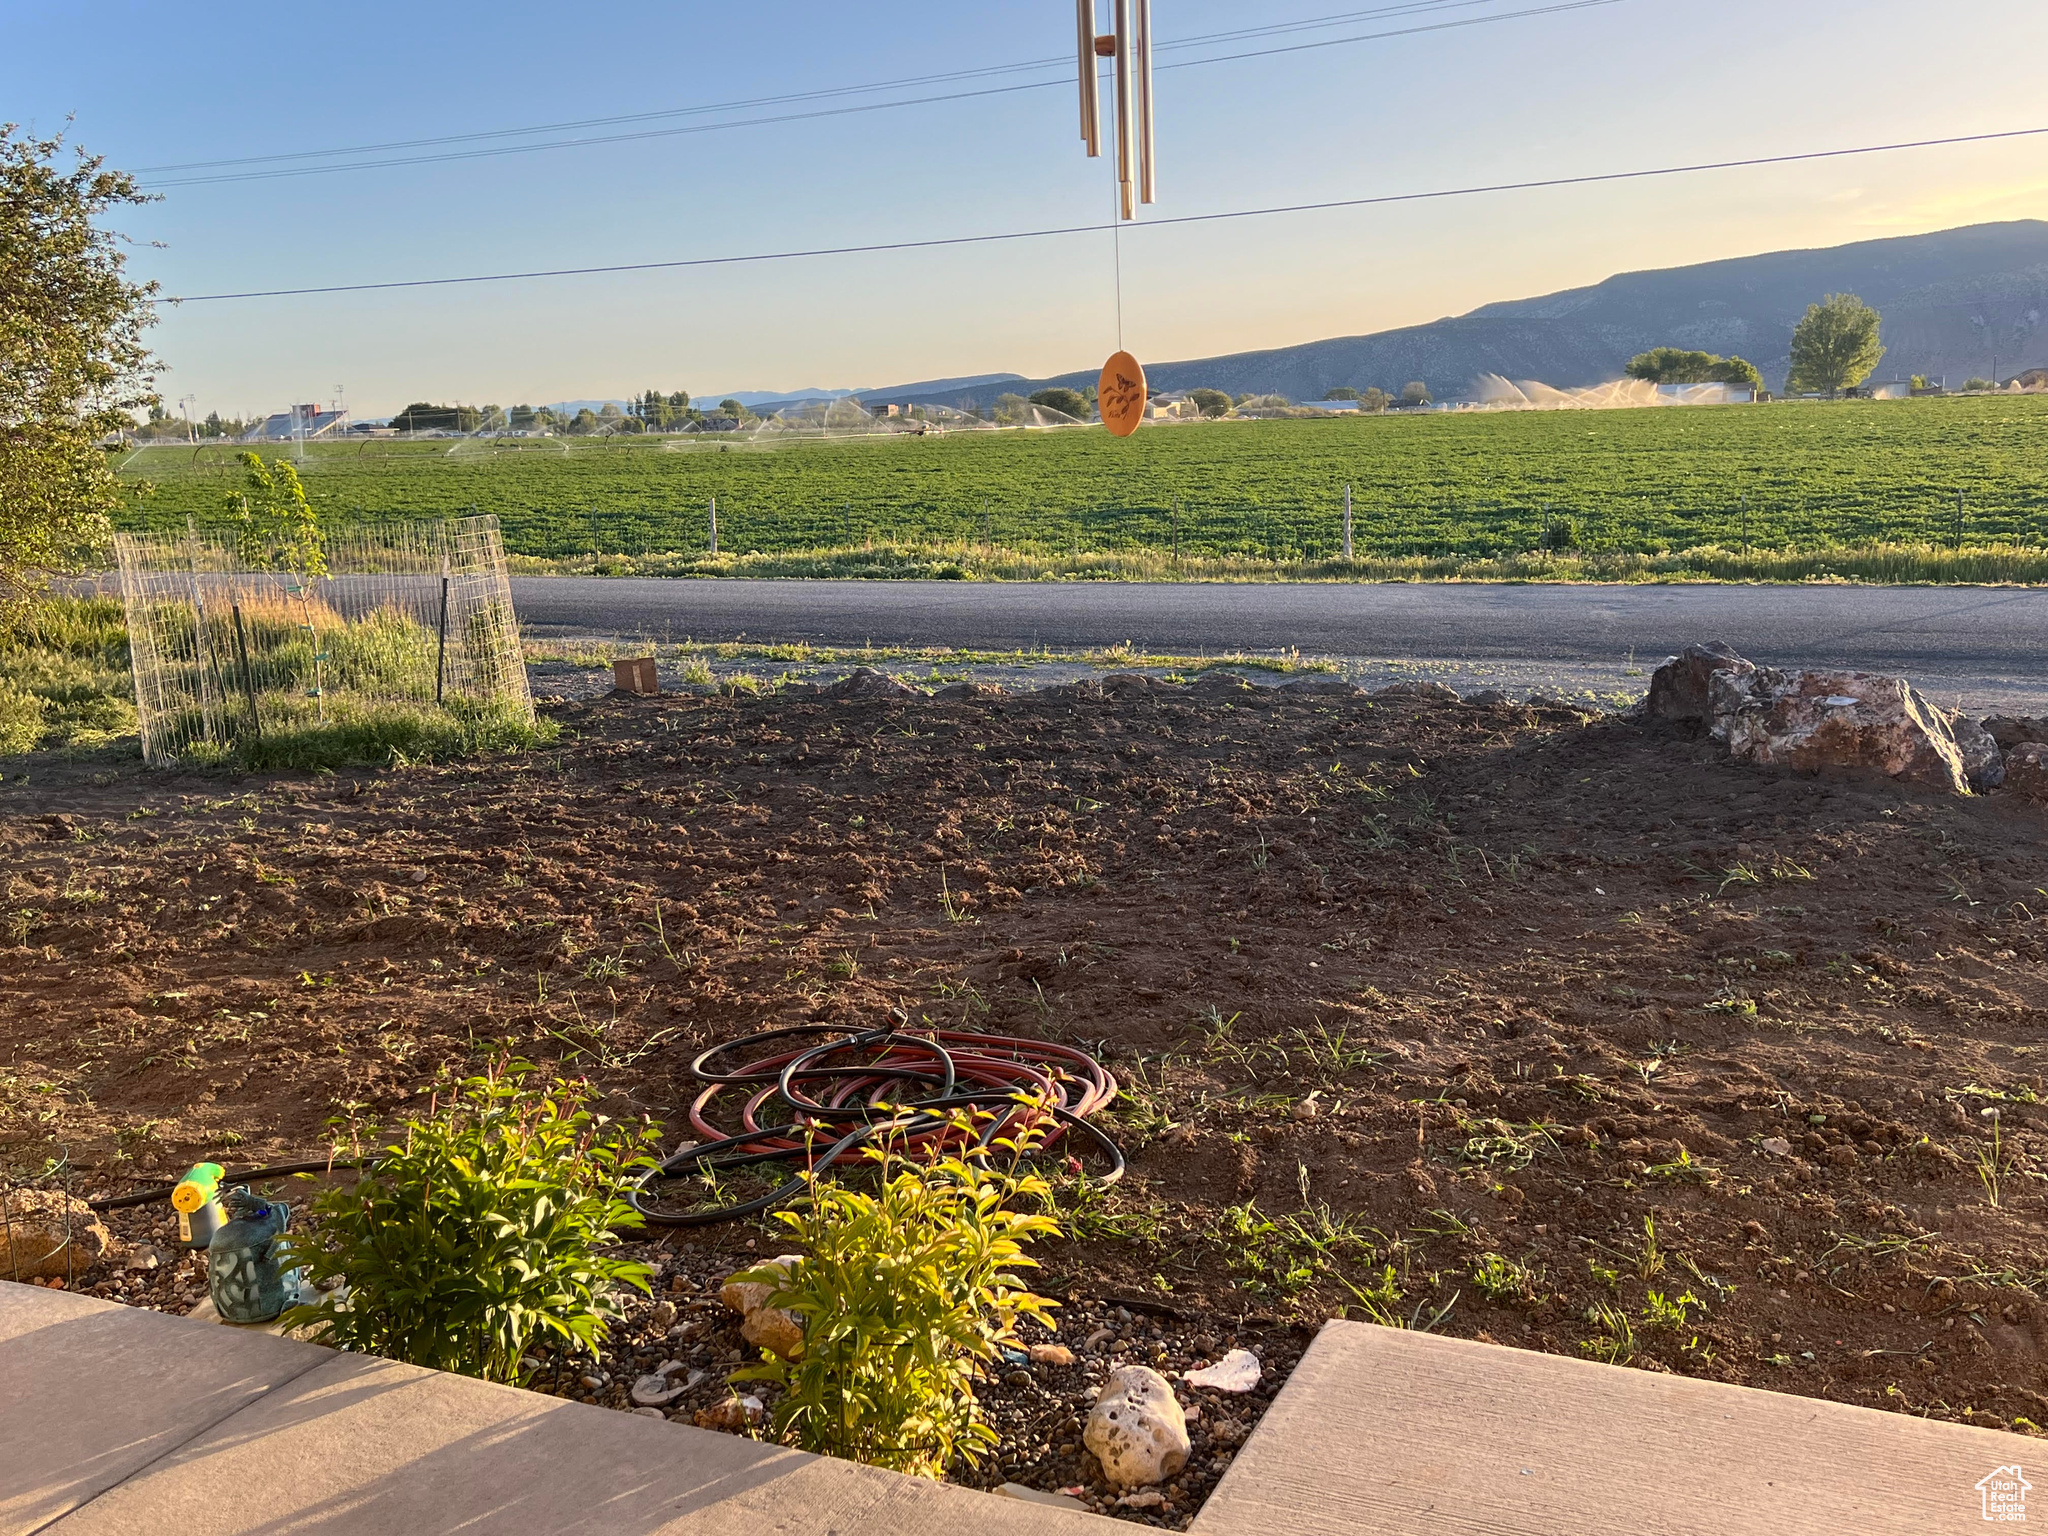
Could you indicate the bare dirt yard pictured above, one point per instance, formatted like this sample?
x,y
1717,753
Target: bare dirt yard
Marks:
x,y
1534,1026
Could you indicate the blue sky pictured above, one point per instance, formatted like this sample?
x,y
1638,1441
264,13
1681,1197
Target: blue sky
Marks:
x,y
1641,82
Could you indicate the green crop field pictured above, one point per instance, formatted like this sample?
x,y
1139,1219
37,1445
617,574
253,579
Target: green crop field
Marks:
x,y
1451,491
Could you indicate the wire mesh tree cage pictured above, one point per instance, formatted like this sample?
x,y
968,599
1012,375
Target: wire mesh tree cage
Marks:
x,y
231,644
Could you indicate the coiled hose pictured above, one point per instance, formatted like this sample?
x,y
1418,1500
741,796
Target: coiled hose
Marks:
x,y
855,1086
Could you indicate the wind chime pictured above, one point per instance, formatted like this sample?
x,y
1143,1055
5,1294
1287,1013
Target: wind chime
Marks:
x,y
1120,392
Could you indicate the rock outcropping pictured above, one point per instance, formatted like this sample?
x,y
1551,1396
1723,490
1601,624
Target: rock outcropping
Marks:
x,y
1819,721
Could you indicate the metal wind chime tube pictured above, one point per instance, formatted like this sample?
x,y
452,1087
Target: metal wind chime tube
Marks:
x,y
1091,106
1148,159
1130,45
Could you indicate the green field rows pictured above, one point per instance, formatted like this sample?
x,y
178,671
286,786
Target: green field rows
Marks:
x,y
1473,486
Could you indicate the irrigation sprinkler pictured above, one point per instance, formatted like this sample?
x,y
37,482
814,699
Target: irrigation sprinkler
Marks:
x,y
714,525
1347,522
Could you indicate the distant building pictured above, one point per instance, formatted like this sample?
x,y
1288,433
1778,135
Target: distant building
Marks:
x,y
881,410
298,420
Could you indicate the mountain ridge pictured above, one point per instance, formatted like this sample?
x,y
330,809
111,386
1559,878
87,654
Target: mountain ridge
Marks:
x,y
1953,301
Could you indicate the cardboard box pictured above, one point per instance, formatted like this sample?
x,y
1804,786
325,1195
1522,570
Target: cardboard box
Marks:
x,y
636,675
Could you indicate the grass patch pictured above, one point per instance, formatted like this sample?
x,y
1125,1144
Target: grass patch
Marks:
x,y
1877,563
695,660
392,736
64,675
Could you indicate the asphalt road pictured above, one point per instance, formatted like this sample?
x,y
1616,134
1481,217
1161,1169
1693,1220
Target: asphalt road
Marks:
x,y
1984,634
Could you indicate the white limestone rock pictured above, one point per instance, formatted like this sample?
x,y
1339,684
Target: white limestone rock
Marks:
x,y
1136,1429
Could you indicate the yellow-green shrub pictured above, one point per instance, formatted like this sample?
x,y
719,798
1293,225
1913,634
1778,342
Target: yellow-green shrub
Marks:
x,y
905,1295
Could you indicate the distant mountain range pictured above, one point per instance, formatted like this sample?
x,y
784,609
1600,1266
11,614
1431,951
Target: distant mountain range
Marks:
x,y
1957,303
991,384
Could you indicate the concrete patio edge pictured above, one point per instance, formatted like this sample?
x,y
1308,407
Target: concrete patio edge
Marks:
x,y
115,1420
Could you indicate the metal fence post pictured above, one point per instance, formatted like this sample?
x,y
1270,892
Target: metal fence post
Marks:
x,y
441,654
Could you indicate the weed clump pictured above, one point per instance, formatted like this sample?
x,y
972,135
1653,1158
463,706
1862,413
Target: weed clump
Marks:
x,y
484,1227
905,1294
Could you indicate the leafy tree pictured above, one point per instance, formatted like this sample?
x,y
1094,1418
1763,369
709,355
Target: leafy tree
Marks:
x,y
521,418
733,409
1671,365
1210,402
1011,408
275,528
1973,386
583,421
422,417
1342,392
1068,402
679,400
1676,365
1415,393
1375,399
1735,370
1835,347
72,358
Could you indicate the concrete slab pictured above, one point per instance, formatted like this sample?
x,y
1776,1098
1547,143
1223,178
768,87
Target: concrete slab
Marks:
x,y
1381,1432
92,1392
236,1432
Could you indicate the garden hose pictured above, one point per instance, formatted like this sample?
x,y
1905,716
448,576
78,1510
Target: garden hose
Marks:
x,y
857,1086
158,1192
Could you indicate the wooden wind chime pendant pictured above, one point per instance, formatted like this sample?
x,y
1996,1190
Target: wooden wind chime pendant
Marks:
x,y
1120,394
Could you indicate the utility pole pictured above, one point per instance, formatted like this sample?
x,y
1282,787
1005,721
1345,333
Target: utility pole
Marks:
x,y
1347,521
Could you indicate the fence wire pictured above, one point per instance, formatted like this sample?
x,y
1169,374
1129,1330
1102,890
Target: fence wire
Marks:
x,y
230,644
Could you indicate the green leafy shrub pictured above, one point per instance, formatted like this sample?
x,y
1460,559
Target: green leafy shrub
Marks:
x,y
485,1226
904,1295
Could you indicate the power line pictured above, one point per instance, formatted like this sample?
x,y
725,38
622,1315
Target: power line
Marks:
x,y
1083,229
825,112
945,77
